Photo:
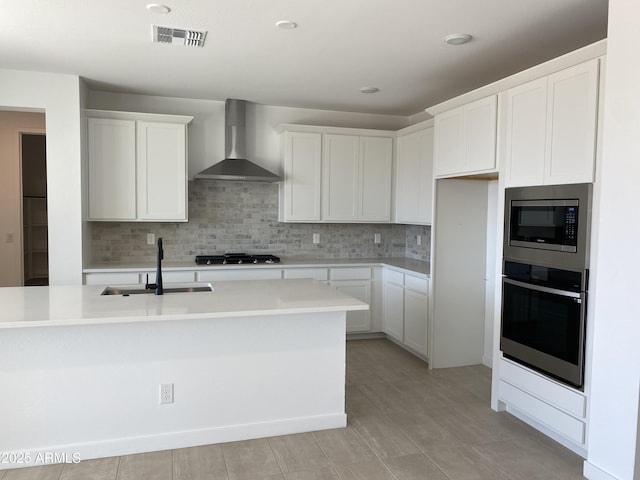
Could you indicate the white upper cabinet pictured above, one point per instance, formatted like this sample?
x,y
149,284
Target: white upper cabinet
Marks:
x,y
465,139
551,128
111,149
137,166
414,177
335,177
162,171
340,178
376,155
300,191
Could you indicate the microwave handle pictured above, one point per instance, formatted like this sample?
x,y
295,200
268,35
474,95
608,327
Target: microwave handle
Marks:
x,y
538,288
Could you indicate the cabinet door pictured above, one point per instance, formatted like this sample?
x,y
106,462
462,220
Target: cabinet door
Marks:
x,y
448,142
526,133
340,188
571,124
415,321
162,171
302,154
111,147
358,321
414,178
376,154
394,311
480,135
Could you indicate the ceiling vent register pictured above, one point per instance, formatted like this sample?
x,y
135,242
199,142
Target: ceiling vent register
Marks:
x,y
178,36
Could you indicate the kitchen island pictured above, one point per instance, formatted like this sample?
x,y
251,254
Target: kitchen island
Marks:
x,y
81,372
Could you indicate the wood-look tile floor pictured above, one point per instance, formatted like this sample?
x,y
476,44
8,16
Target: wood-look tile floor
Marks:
x,y
405,422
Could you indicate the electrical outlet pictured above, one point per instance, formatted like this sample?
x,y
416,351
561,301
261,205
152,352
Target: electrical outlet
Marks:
x,y
166,393
9,237
376,238
151,238
419,239
316,238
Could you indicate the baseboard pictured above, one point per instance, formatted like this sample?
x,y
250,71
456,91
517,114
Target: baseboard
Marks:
x,y
592,472
487,361
170,440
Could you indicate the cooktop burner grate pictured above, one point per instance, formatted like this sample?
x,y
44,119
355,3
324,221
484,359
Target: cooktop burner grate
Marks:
x,y
235,259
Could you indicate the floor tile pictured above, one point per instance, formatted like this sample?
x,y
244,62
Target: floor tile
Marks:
x,y
460,462
98,469
155,465
298,452
250,458
199,463
414,467
323,473
45,472
370,470
383,437
357,404
343,445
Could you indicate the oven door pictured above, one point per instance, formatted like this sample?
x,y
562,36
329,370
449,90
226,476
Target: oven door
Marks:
x,y
543,328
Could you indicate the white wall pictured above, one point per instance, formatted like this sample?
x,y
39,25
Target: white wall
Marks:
x,y
59,97
613,424
206,131
11,260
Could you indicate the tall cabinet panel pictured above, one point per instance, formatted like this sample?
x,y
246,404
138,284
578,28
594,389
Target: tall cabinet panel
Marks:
x,y
449,148
302,154
340,179
162,171
376,155
526,132
571,127
112,169
414,182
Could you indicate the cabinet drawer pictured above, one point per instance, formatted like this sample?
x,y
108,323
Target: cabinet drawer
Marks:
x,y
420,285
350,274
224,275
551,392
315,273
391,276
550,416
121,278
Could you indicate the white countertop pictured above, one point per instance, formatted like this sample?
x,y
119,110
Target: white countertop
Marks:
x,y
83,305
408,265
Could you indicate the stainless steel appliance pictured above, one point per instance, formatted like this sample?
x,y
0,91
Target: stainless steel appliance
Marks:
x,y
548,225
235,259
545,278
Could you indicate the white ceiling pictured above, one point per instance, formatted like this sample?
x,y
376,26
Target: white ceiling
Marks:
x,y
339,46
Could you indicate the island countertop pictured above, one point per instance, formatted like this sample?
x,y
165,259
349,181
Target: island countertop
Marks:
x,y
84,305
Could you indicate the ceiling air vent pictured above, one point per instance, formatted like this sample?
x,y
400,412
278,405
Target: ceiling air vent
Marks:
x,y
179,36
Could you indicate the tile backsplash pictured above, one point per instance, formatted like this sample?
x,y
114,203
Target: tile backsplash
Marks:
x,y
243,217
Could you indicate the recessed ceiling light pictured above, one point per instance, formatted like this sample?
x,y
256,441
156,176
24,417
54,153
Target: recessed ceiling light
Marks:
x,y
369,89
458,38
158,8
286,24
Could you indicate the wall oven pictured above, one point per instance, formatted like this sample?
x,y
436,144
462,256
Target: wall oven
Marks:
x,y
545,279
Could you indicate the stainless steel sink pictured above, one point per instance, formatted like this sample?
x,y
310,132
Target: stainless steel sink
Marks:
x,y
175,288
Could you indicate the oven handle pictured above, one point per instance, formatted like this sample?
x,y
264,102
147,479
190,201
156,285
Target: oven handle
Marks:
x,y
553,291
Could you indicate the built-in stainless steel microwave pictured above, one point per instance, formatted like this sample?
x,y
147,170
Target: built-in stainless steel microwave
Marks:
x,y
548,225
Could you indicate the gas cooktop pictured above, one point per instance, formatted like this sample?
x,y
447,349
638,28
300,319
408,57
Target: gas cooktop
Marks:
x,y
235,259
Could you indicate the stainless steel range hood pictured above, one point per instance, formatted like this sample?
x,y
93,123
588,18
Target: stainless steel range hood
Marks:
x,y
235,166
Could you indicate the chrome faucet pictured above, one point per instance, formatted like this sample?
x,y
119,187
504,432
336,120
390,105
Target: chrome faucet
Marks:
x,y
159,290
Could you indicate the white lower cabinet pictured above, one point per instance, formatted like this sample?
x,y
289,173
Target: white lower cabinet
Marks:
x,y
406,303
244,274
557,407
357,283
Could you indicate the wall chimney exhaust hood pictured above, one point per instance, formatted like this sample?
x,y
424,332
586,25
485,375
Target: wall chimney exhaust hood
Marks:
x,y
235,166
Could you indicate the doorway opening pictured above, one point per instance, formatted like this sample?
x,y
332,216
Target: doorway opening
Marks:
x,y
33,160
